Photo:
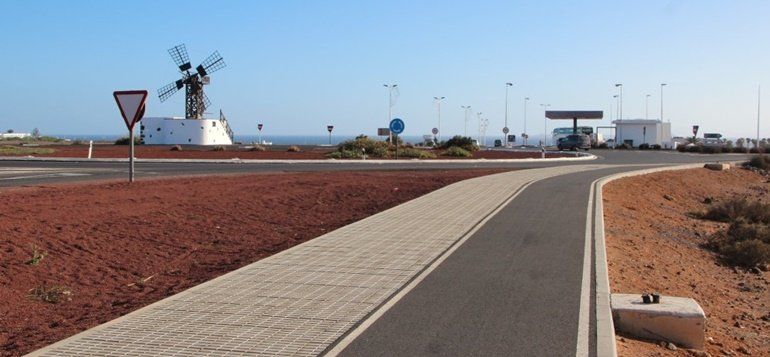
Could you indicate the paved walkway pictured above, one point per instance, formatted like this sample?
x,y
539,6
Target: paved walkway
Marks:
x,y
303,300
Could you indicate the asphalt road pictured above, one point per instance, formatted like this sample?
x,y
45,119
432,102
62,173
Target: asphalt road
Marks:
x,y
512,289
26,173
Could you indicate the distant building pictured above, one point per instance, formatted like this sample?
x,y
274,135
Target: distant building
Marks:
x,y
640,131
15,135
170,131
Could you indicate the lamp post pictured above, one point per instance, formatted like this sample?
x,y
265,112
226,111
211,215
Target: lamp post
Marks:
x,y
661,101
525,119
478,117
647,106
507,84
438,105
467,109
620,85
391,88
545,124
617,106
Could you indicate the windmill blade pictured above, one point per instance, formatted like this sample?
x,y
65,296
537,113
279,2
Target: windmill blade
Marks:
x,y
211,64
181,58
168,90
206,102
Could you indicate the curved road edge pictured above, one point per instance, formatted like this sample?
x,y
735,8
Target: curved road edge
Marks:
x,y
605,329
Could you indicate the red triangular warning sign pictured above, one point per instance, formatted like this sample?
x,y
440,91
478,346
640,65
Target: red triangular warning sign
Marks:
x,y
131,104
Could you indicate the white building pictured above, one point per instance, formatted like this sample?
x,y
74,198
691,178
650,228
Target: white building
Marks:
x,y
640,131
172,130
14,135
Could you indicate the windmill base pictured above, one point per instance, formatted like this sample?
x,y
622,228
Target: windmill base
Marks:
x,y
182,131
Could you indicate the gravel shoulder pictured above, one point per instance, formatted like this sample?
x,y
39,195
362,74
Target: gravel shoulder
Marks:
x,y
653,244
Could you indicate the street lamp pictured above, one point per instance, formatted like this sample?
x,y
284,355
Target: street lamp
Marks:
x,y
525,118
545,124
647,106
391,88
508,84
438,104
478,117
620,85
661,101
467,110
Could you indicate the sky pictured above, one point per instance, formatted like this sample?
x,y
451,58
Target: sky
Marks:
x,y
296,66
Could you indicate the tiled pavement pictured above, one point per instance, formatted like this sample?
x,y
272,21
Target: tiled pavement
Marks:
x,y
301,301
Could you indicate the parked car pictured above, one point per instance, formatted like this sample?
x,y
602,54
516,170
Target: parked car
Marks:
x,y
575,142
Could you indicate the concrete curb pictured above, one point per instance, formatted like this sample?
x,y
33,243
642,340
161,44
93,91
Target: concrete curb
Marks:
x,y
582,157
605,328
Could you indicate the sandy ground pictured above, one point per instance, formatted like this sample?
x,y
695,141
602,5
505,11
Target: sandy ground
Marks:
x,y
110,248
653,245
277,152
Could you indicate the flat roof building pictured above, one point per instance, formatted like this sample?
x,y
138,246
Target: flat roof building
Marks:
x,y
643,131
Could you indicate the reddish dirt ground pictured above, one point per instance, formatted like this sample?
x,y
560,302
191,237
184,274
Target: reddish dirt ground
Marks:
x,y
111,248
654,245
231,152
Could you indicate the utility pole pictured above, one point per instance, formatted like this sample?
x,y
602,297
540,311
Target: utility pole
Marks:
x,y
647,106
507,84
438,104
661,101
525,118
391,88
478,117
620,85
759,97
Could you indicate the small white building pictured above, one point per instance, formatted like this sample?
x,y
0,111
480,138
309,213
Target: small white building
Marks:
x,y
640,131
15,135
173,130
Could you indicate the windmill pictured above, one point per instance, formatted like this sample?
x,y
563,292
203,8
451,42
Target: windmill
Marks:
x,y
196,101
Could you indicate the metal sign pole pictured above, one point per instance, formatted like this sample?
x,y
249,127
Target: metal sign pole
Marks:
x,y
396,136
131,156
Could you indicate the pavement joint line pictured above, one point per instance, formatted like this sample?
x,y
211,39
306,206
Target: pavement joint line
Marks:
x,y
364,324
129,333
605,330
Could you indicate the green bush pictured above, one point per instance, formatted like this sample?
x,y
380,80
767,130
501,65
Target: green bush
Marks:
x,y
463,142
644,146
656,147
740,150
712,149
756,150
455,151
760,162
416,153
747,241
624,146
602,146
122,141
363,144
345,154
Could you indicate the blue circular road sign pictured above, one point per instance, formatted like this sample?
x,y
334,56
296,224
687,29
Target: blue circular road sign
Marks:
x,y
397,126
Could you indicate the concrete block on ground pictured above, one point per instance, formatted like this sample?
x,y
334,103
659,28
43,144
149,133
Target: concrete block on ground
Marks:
x,y
675,319
717,166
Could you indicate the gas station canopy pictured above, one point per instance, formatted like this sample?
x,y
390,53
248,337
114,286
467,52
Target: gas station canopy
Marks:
x,y
574,114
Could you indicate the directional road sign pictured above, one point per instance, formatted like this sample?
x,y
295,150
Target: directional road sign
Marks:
x,y
434,131
505,130
397,126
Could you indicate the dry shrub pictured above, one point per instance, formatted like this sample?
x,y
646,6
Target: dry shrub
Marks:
x,y
294,148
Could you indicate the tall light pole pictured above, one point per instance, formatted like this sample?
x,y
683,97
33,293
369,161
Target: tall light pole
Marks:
x,y
647,106
661,101
507,84
478,117
438,105
617,106
525,118
467,110
759,97
620,85
391,88
545,124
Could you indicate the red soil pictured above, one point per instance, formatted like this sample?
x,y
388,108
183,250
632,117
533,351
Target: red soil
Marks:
x,y
113,247
653,244
231,152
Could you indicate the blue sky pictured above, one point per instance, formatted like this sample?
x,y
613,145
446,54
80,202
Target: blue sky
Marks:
x,y
299,65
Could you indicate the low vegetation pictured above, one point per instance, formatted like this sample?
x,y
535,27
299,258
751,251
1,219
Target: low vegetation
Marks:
x,y
363,147
294,148
416,153
747,240
463,142
37,257
50,294
218,148
761,162
16,150
124,141
258,148
456,151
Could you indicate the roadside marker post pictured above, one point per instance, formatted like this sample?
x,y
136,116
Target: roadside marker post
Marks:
x,y
131,104
396,127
